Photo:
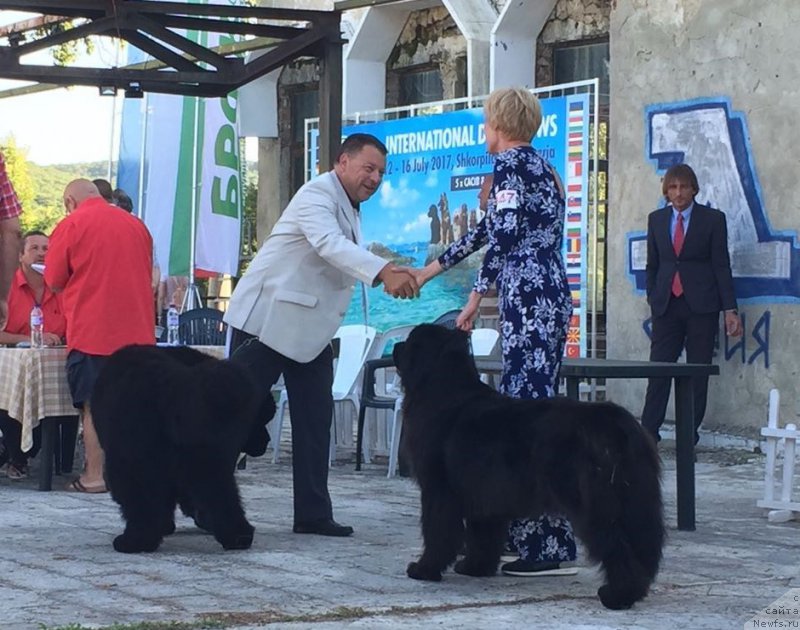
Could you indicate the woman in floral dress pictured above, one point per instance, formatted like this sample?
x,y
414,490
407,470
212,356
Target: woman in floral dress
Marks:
x,y
523,229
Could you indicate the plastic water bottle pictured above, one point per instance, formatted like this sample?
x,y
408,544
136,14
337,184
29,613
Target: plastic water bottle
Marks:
x,y
172,325
37,327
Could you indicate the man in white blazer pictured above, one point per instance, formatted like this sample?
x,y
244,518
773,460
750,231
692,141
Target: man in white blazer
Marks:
x,y
288,305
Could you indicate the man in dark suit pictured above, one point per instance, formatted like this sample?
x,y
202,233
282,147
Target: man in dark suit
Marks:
x,y
689,282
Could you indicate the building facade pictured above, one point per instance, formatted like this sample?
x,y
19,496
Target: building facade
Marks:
x,y
709,82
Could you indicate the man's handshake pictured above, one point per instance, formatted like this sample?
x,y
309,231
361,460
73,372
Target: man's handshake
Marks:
x,y
399,282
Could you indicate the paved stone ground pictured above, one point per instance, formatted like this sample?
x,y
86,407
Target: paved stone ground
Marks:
x,y
57,566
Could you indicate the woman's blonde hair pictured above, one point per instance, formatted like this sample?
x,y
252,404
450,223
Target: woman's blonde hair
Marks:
x,y
515,112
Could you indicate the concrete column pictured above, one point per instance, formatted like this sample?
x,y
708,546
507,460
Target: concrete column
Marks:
x,y
475,19
365,58
513,42
376,36
268,203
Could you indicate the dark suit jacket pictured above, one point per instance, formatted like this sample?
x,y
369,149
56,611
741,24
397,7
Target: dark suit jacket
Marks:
x,y
704,263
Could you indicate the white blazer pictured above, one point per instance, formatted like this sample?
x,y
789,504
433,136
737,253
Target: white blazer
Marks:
x,y
295,292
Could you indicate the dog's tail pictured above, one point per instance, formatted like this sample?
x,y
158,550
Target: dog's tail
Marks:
x,y
636,484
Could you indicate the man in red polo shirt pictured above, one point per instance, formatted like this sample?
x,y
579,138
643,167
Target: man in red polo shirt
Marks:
x,y
101,258
9,238
27,289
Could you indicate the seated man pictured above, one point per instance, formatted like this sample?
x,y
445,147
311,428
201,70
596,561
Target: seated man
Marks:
x,y
27,289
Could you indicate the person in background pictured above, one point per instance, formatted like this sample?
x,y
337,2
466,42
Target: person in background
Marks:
x,y
524,231
101,258
293,297
28,289
171,290
105,190
122,200
10,209
688,284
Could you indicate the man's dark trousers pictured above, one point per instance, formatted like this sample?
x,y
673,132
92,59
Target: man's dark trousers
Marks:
x,y
677,328
309,388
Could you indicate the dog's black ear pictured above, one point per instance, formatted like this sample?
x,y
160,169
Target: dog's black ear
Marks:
x,y
459,341
397,354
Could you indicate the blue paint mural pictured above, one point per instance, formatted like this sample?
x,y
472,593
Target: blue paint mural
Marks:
x,y
747,349
714,141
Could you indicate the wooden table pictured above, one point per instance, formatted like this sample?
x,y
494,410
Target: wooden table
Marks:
x,y
575,370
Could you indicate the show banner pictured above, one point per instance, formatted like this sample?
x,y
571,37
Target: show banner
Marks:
x,y
429,199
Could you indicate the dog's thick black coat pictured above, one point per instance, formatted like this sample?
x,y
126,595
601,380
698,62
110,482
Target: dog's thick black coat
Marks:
x,y
482,459
172,422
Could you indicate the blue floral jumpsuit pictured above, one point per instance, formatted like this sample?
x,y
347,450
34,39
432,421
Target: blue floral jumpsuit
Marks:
x,y
524,228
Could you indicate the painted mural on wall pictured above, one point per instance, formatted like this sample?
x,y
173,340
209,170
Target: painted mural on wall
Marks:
x,y
714,141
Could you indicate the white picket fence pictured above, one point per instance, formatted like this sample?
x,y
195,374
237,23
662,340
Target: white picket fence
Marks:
x,y
784,507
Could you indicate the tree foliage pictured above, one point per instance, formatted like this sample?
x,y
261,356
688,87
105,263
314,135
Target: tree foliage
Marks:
x,y
66,53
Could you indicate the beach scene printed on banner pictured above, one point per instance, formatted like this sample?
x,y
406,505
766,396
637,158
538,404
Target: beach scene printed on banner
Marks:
x,y
429,199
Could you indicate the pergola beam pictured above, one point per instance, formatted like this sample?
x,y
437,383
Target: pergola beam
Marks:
x,y
94,27
19,28
186,45
224,26
160,52
96,8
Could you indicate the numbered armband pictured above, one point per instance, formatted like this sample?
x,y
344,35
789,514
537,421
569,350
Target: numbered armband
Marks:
x,y
507,199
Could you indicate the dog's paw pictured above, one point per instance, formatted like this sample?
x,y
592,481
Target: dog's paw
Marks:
x,y
418,571
126,543
465,567
242,539
615,600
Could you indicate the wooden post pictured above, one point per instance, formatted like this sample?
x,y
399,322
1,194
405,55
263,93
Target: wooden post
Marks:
x,y
330,102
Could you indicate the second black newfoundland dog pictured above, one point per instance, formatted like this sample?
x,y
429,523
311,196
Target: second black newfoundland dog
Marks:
x,y
172,422
482,459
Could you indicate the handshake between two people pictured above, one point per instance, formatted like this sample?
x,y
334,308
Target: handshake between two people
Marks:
x,y
406,282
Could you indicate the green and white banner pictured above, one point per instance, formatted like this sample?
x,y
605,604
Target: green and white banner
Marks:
x,y
186,152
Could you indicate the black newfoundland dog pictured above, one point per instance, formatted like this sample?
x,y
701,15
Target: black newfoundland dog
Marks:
x,y
482,459
172,422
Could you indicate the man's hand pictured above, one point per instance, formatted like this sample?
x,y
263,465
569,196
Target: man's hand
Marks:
x,y
51,339
399,281
3,313
733,324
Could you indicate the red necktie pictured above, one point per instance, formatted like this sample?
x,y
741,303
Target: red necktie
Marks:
x,y
677,245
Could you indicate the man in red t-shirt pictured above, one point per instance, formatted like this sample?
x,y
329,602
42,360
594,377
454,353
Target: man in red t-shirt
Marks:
x,y
9,238
101,258
27,289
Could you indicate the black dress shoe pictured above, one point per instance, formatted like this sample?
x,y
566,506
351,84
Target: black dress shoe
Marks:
x,y
323,527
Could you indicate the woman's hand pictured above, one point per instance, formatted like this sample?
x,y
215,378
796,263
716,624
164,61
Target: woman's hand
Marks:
x,y
426,273
466,318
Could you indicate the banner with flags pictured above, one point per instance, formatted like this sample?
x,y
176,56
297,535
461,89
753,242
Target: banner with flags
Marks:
x,y
180,158
434,169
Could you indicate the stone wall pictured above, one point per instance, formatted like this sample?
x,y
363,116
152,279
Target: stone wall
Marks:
x,y
716,82
429,38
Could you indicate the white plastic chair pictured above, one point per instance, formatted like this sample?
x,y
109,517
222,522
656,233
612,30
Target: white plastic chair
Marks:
x,y
391,390
355,343
483,341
